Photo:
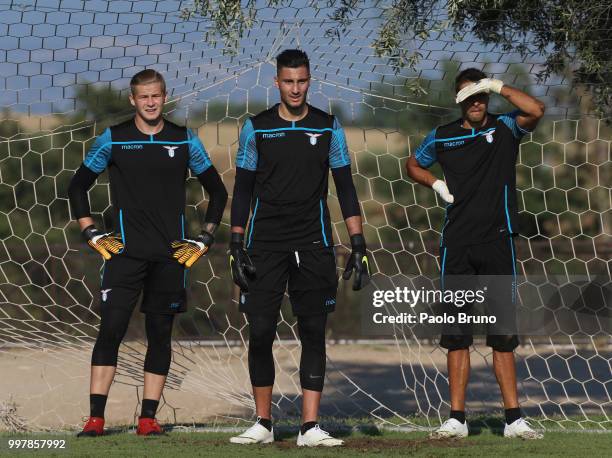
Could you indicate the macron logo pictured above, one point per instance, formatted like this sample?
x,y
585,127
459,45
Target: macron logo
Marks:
x,y
137,146
171,150
452,144
273,135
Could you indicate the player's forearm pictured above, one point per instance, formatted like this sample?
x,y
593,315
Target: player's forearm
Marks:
x,y
217,198
529,106
354,225
241,199
209,227
418,173
77,193
85,222
347,194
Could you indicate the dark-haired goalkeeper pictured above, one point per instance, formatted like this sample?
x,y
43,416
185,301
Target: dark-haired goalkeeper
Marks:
x,y
148,159
282,170
478,155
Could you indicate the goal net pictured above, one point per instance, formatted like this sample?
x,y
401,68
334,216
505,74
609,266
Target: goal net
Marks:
x,y
66,67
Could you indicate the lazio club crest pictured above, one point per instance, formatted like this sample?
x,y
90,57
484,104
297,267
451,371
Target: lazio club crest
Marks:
x,y
105,294
313,138
171,150
489,137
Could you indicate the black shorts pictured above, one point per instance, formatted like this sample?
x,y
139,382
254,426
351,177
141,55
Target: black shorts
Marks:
x,y
489,265
311,276
162,283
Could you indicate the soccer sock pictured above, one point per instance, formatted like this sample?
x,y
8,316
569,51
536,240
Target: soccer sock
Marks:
x,y
266,423
149,408
97,404
308,425
512,415
458,415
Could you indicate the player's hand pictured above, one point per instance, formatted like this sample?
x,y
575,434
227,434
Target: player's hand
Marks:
x,y
188,251
358,262
240,263
440,187
105,243
485,85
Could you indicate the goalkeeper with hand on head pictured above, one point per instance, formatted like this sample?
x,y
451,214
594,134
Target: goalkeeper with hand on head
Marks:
x,y
478,155
148,159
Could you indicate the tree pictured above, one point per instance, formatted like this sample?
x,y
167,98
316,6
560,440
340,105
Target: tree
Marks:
x,y
572,35
101,103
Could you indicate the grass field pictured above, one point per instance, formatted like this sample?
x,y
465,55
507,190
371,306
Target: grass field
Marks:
x,y
369,443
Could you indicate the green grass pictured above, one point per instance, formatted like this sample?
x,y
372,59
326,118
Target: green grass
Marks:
x,y
371,443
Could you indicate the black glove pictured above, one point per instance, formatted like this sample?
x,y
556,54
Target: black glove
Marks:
x,y
187,251
358,261
240,263
104,243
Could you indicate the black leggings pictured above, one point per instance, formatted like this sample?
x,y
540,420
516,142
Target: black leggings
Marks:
x,y
113,326
311,330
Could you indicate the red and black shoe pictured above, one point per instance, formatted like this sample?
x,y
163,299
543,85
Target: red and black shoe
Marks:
x,y
149,427
93,428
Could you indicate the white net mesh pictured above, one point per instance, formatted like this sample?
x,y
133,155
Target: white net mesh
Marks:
x,y
66,67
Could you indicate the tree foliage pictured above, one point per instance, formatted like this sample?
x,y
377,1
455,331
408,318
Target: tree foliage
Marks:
x,y
573,36
230,18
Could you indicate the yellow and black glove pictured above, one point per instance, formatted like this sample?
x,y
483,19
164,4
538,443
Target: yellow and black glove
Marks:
x,y
358,261
188,251
105,243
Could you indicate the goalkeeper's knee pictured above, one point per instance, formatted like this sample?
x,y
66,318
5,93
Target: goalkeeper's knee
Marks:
x,y
159,343
312,363
454,342
113,325
503,343
262,330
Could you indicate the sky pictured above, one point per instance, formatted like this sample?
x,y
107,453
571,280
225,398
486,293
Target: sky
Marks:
x,y
50,47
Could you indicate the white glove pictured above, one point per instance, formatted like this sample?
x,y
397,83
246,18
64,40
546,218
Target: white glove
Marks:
x,y
485,85
440,187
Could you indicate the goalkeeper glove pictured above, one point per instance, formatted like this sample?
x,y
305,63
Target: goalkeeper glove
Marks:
x,y
485,85
104,243
188,251
440,187
358,261
240,263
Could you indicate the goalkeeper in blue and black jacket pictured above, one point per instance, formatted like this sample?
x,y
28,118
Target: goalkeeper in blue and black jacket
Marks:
x,y
148,251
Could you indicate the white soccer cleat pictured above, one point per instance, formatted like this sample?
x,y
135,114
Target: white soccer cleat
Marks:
x,y
449,429
522,429
316,437
256,434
